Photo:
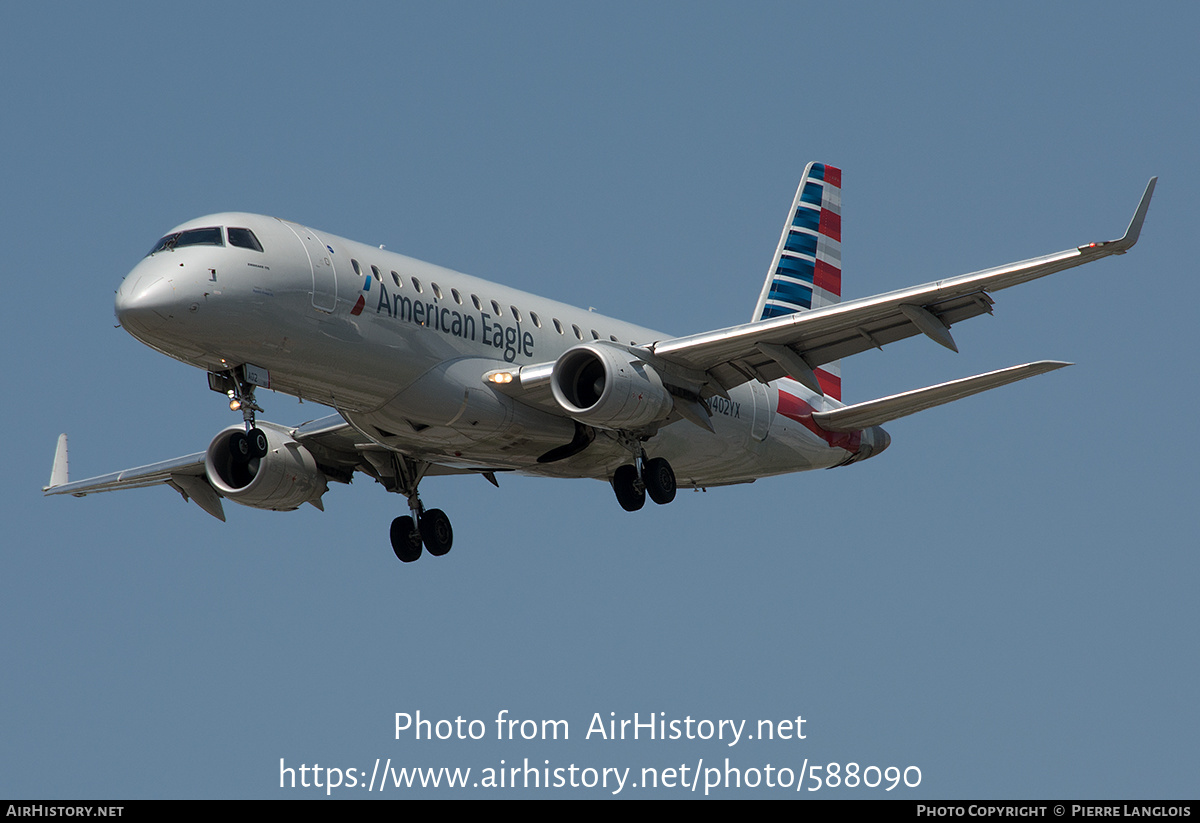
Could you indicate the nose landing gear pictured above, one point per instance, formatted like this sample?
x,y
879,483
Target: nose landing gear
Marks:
x,y
253,443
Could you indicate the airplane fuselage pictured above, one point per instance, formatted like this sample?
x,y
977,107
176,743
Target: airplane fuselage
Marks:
x,y
398,346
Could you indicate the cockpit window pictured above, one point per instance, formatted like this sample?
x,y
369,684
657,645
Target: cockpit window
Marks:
x,y
191,237
244,239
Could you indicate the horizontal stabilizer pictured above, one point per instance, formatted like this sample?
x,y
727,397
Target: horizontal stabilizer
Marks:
x,y
877,412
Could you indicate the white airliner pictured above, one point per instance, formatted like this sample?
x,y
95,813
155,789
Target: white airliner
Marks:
x,y
435,372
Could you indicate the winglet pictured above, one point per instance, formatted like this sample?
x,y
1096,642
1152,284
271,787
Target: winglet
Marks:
x,y
1139,216
1135,225
58,474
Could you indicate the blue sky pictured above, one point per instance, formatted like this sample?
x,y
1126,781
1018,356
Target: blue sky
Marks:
x,y
1005,600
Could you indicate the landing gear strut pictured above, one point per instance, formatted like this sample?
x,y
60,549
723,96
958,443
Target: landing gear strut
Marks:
x,y
633,482
253,443
428,528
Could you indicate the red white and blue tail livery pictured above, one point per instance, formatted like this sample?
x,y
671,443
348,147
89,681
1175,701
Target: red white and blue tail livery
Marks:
x,y
806,271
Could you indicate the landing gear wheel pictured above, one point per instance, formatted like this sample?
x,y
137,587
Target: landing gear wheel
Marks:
x,y
660,481
258,442
406,540
630,493
436,532
240,448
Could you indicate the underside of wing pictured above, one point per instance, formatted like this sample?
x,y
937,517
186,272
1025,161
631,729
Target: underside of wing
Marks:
x,y
340,450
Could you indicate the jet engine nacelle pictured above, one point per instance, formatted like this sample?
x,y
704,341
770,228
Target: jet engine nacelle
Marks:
x,y
608,387
281,481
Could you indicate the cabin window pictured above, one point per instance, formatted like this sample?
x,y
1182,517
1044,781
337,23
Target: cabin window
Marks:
x,y
437,291
375,271
558,326
496,309
417,285
516,313
457,297
537,321
396,280
578,333
244,239
595,334
475,302
357,268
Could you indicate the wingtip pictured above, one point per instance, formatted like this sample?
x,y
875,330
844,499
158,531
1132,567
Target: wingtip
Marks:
x,y
1139,216
1132,232
59,471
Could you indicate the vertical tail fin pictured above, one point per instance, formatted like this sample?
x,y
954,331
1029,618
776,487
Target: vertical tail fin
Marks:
x,y
806,271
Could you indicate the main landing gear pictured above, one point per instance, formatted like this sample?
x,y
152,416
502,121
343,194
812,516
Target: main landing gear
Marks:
x,y
429,529
654,477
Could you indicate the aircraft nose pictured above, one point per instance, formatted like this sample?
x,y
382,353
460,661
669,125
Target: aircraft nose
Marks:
x,y
145,301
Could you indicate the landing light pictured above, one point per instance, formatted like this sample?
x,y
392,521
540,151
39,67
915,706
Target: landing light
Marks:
x,y
500,377
234,403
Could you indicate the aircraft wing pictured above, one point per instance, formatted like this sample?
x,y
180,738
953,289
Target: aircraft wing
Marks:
x,y
190,465
794,344
184,474
328,431
338,449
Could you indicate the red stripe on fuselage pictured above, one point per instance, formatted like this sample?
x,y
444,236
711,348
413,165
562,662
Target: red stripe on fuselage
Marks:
x,y
831,384
794,408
